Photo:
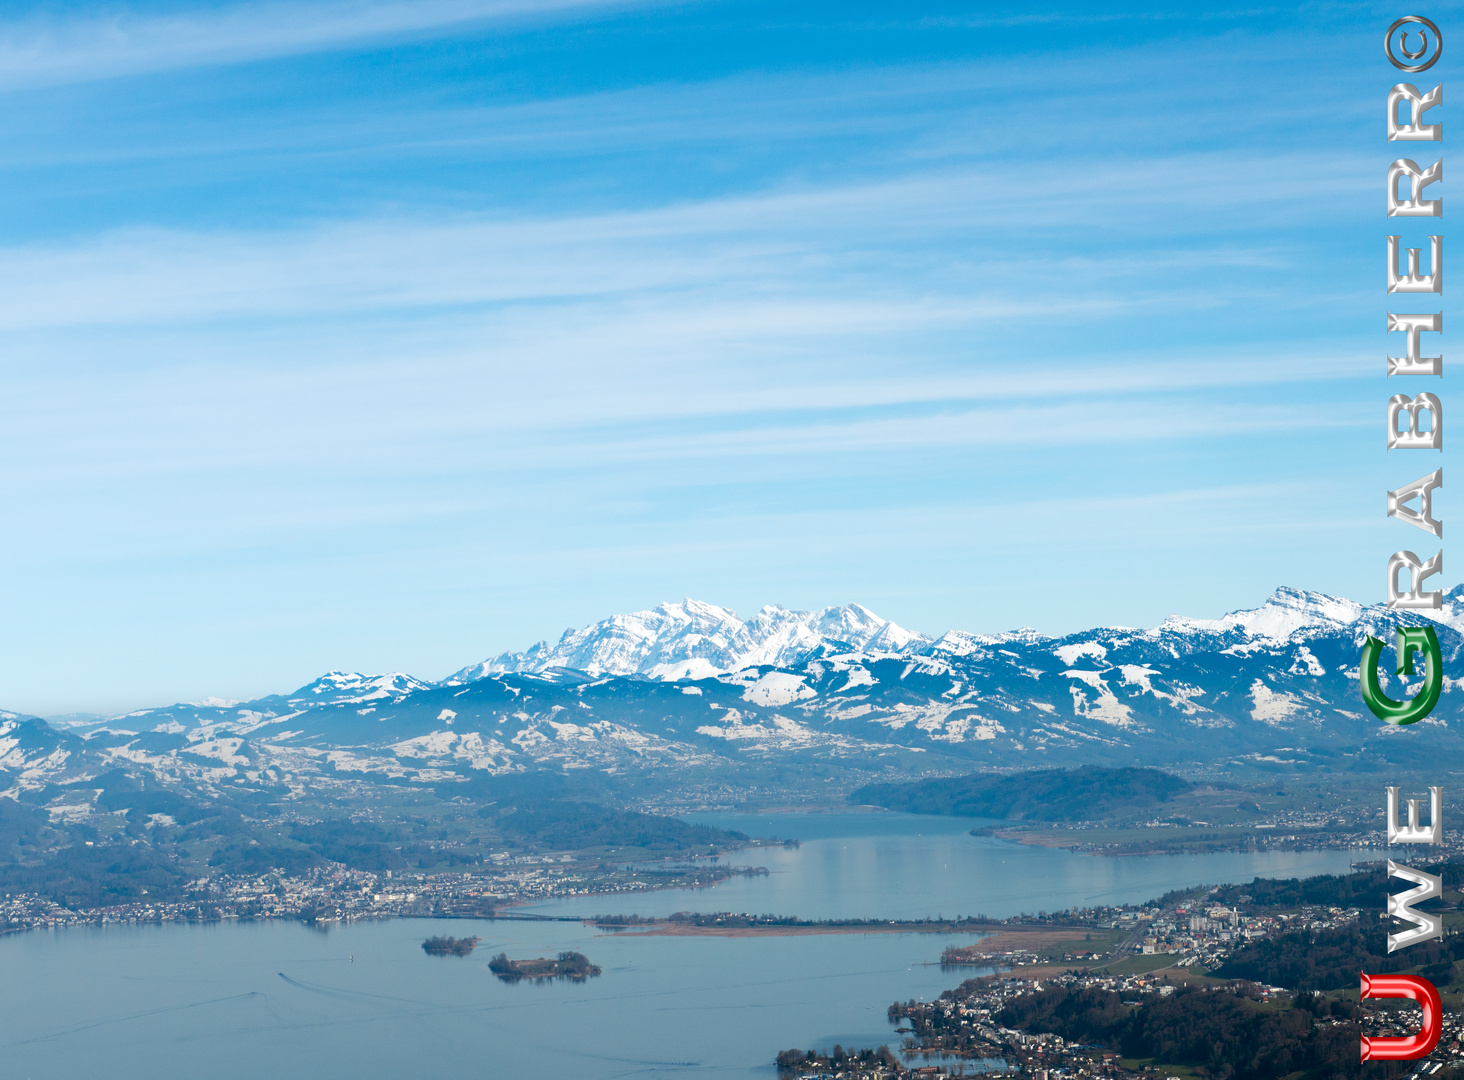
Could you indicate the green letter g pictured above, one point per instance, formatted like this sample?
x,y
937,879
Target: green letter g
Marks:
x,y
1411,639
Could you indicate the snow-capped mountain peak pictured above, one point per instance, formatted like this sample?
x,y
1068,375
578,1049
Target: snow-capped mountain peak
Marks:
x,y
693,639
1285,612
960,643
354,686
1292,614
1276,684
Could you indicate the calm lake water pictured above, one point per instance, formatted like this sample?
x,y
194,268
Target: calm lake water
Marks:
x,y
903,866
363,1001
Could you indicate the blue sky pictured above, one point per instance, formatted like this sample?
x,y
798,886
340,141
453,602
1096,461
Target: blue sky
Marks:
x,y
389,335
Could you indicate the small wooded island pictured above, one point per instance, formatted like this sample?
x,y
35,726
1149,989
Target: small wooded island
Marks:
x,y
567,965
449,946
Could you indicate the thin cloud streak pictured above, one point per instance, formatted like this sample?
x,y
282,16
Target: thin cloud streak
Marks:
x,y
52,51
422,441
921,115
137,275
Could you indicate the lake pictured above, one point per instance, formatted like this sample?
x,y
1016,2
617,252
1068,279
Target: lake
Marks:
x,y
283,1000
905,866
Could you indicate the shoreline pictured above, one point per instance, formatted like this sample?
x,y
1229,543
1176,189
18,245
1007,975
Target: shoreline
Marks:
x,y
669,929
994,937
1184,840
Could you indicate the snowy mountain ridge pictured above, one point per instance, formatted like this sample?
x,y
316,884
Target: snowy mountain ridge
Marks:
x,y
690,689
1285,613
696,640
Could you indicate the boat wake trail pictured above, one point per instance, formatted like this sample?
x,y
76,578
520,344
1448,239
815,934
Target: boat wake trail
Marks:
x,y
75,1029
352,995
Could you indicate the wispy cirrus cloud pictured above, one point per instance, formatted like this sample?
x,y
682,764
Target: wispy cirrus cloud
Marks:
x,y
401,343
51,50
813,239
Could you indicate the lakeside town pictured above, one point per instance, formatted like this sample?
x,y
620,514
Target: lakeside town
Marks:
x,y
470,874
1036,974
339,894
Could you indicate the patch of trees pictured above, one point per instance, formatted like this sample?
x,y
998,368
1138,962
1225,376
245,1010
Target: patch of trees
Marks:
x,y
796,1060
97,876
1363,889
1088,793
1084,1016
1227,1035
245,856
361,845
567,965
576,785
141,799
569,825
451,946
20,826
1231,1037
1331,959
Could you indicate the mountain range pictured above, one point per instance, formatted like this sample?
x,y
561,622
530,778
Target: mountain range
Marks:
x,y
689,690
695,640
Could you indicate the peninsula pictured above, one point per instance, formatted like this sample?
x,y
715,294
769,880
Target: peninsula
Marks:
x,y
742,924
